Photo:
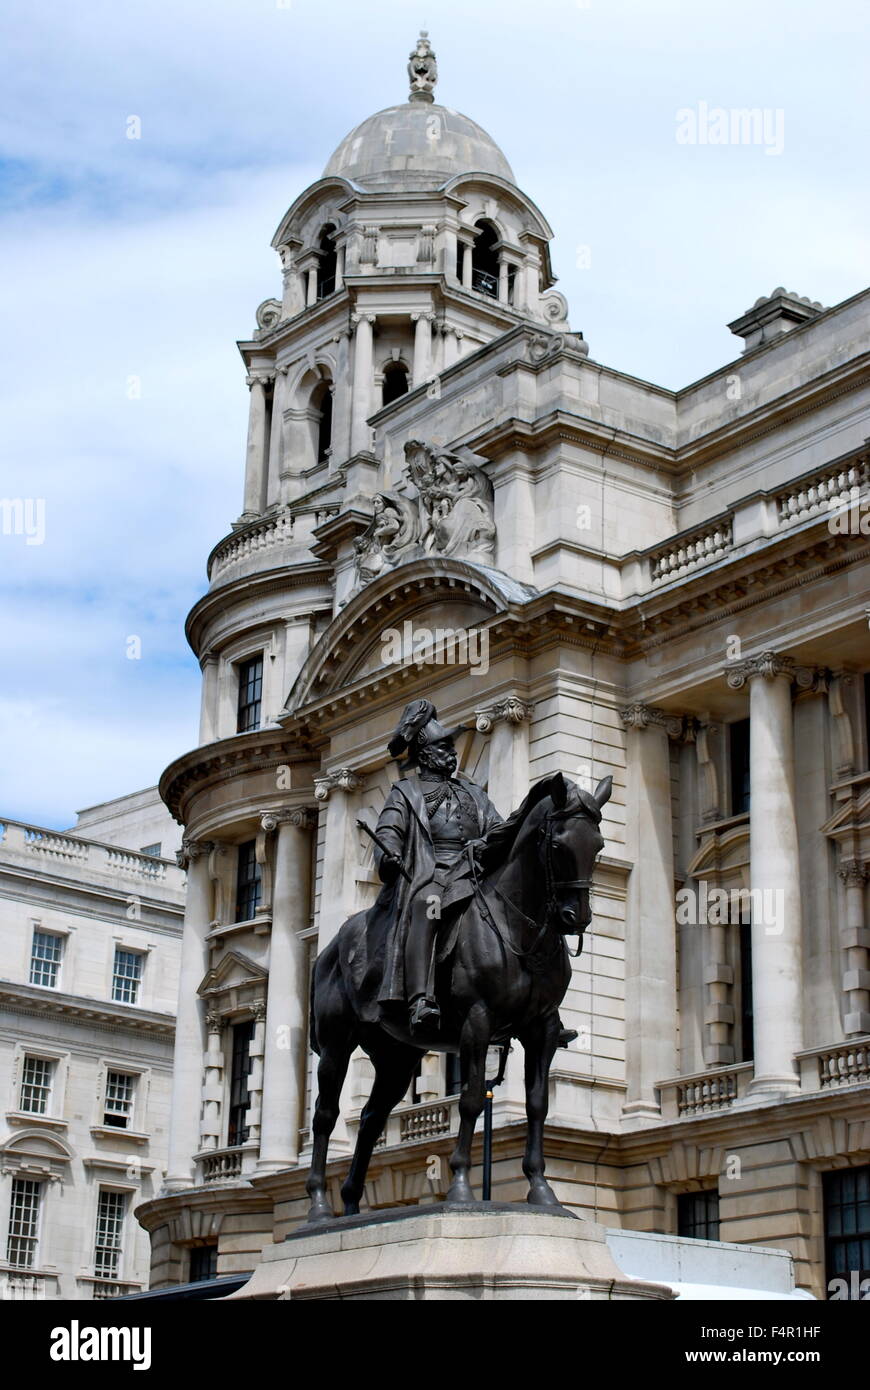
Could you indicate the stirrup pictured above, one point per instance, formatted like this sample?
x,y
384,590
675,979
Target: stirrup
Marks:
x,y
425,1013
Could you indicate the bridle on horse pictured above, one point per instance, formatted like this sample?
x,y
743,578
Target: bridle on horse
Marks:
x,y
551,886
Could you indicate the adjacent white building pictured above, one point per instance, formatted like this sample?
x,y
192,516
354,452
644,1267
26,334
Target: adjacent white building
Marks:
x,y
90,926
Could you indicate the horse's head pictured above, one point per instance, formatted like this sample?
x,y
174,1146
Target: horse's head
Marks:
x,y
570,844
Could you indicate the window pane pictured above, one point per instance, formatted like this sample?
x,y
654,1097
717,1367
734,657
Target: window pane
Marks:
x,y
250,694
237,1130
119,1099
698,1214
203,1262
23,1223
45,958
35,1085
153,851
248,885
847,1229
110,1231
126,976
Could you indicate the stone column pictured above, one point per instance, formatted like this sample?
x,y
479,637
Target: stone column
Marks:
x,y
208,716
422,346
256,457
311,286
254,1113
508,722
650,927
467,263
339,268
503,280
774,872
187,1077
361,404
213,1086
286,1039
855,939
276,438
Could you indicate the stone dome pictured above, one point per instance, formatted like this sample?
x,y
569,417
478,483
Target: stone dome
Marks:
x,y
417,145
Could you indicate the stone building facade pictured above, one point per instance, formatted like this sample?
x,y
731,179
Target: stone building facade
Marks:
x,y
90,939
445,494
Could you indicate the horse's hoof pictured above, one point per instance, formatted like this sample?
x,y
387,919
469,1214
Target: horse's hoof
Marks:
x,y
542,1196
318,1212
351,1208
459,1193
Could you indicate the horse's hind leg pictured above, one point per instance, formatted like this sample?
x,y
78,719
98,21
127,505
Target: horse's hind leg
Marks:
x,y
539,1042
395,1064
331,1072
336,1037
474,1040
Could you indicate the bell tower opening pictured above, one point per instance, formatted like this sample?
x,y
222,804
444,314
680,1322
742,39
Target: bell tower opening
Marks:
x,y
484,260
328,264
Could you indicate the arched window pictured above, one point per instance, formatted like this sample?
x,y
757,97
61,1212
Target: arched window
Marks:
x,y
322,402
328,264
484,260
395,382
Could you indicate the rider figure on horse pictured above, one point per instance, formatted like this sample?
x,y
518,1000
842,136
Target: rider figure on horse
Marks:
x,y
427,824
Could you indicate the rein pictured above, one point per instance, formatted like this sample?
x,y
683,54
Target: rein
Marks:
x,y
551,885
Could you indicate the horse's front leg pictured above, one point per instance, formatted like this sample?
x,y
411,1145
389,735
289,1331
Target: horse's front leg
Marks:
x,y
539,1041
473,1042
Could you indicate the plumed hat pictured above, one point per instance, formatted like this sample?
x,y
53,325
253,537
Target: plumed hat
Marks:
x,y
418,725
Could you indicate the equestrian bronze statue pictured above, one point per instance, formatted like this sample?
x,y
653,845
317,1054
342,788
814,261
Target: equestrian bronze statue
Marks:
x,y
464,949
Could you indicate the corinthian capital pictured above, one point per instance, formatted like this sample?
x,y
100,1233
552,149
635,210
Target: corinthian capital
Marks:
x,y
341,777
854,873
638,716
511,709
192,849
302,817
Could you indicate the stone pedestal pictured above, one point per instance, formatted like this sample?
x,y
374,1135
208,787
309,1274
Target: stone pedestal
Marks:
x,y
490,1251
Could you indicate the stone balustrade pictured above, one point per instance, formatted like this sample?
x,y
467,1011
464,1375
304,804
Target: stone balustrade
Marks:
x,y
48,847
220,1165
266,533
684,1097
690,551
829,1068
826,490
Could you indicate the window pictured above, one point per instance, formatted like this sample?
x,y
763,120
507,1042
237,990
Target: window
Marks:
x,y
45,958
846,1200
203,1262
327,266
453,1077
237,1130
484,261
250,694
126,976
395,382
23,1223
248,885
35,1085
698,1214
739,755
323,402
110,1233
118,1108
153,851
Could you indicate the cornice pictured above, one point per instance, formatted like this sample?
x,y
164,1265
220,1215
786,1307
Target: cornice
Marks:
x,y
253,586
227,759
28,999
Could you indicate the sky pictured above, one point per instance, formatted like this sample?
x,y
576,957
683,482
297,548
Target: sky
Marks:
x,y
131,266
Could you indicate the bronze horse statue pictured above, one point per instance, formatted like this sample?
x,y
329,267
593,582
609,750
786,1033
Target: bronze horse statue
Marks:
x,y
504,976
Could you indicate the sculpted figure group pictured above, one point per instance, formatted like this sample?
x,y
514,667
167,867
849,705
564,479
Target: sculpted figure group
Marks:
x,y
451,513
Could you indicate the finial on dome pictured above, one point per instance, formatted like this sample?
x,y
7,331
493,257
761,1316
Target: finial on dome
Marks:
x,y
422,70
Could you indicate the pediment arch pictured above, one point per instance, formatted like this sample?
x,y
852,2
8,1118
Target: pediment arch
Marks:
x,y
445,594
321,201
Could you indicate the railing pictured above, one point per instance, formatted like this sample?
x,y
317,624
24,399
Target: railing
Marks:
x,y
426,1121
256,536
829,1068
684,1097
125,861
21,1286
484,283
112,1288
690,551
824,491
221,1165
78,854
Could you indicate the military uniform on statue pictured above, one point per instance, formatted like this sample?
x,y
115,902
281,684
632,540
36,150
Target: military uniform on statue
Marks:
x,y
426,825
